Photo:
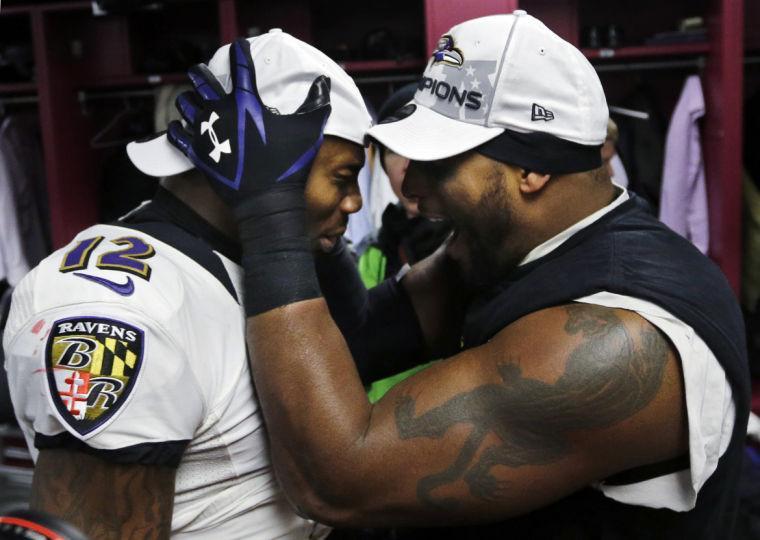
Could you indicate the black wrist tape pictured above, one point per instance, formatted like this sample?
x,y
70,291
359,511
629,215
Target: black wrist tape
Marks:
x,y
277,258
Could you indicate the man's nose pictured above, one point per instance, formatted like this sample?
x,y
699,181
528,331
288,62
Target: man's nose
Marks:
x,y
351,203
416,185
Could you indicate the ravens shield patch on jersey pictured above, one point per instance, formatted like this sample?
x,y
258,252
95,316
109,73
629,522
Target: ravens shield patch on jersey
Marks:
x,y
92,365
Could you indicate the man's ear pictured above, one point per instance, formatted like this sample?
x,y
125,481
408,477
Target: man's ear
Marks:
x,y
532,182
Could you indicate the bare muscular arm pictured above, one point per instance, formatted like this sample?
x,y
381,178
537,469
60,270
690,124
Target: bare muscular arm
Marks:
x,y
557,400
104,500
438,296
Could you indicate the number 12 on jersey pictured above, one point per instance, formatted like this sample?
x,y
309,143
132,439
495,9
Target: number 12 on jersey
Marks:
x,y
130,259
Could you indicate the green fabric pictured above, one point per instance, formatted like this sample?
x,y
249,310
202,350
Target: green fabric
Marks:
x,y
372,267
379,388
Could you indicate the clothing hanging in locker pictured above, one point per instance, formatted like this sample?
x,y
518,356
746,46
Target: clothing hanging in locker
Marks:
x,y
23,201
683,200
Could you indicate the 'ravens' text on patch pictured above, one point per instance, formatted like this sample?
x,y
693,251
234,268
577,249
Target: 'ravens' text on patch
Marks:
x,y
92,366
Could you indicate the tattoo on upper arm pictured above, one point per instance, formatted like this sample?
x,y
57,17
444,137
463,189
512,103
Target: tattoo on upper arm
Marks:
x,y
104,500
614,373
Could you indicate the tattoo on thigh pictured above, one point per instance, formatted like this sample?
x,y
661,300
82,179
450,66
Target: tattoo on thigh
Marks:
x,y
608,377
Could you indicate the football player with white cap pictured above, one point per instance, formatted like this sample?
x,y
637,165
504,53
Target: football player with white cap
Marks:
x,y
596,382
126,348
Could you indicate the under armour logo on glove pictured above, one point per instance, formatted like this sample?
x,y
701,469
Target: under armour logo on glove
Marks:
x,y
259,147
216,153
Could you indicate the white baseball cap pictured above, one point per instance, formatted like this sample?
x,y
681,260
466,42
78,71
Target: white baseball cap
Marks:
x,y
510,80
285,70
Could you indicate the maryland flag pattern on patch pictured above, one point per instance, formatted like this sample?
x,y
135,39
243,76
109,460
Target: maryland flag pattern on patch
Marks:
x,y
92,365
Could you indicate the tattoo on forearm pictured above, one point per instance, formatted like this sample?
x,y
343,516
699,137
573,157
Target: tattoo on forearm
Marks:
x,y
105,501
609,377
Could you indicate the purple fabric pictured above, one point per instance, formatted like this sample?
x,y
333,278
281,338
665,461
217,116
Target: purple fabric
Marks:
x,y
187,109
307,157
683,200
180,139
203,88
304,161
247,99
124,289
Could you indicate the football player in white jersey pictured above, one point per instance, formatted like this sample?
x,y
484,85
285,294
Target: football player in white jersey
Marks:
x,y
125,349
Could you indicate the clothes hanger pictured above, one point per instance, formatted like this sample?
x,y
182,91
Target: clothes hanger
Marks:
x,y
640,115
104,137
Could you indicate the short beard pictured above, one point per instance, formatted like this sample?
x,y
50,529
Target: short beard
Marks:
x,y
486,227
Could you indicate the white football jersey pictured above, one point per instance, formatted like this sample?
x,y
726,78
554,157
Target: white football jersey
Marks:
x,y
130,343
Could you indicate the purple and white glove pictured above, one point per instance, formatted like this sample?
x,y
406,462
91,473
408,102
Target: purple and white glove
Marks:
x,y
241,145
258,161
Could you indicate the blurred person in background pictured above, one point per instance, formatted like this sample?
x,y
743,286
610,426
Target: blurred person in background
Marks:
x,y
405,236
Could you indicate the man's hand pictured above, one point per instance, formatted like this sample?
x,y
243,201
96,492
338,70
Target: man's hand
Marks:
x,y
258,161
242,146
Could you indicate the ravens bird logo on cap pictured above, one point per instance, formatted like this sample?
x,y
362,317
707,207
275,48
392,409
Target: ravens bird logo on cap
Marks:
x,y
446,52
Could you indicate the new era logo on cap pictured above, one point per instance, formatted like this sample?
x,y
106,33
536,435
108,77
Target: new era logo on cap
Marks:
x,y
541,113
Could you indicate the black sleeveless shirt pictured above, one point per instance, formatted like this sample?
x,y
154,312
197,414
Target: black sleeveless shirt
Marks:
x,y
628,252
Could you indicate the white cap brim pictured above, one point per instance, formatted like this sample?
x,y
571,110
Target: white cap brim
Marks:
x,y
157,157
426,135
285,70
